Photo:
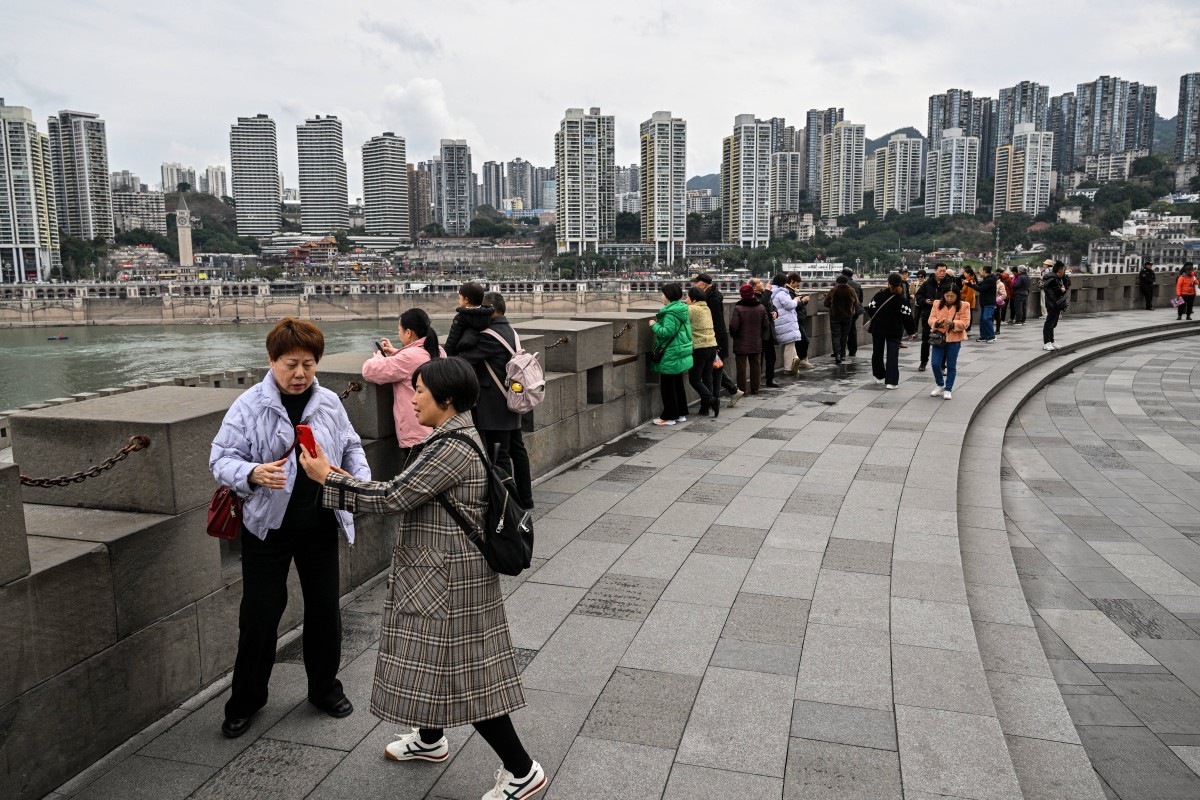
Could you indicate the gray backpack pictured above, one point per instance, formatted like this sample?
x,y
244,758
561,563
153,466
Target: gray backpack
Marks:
x,y
524,385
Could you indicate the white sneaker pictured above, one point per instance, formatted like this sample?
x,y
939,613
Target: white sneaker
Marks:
x,y
682,419
664,422
1048,346
879,380
510,788
738,395
890,386
937,390
795,367
409,747
946,395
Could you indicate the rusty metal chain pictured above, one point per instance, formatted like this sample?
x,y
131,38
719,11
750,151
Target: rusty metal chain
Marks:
x,y
623,331
353,386
135,443
561,341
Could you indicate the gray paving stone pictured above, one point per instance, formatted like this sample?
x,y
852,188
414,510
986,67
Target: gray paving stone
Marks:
x,y
852,555
945,679
1073,672
767,620
616,528
686,519
1012,648
1182,658
748,511
1162,702
621,597
723,540
858,600
580,656
655,556
270,768
861,727
309,726
1144,619
1031,707
740,720
597,767
1096,709
819,770
846,666
535,610
925,623
708,580
701,783
580,563
367,772
1004,604
776,659
677,637
643,707
923,580
144,778
964,755
1094,637
714,494
1053,770
1137,765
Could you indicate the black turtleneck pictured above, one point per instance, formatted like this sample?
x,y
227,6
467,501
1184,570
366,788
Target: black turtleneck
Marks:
x,y
303,510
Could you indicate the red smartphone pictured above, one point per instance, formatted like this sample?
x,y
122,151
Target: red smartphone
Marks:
x,y
305,435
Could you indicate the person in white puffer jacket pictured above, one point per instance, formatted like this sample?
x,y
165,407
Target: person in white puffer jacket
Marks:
x,y
787,323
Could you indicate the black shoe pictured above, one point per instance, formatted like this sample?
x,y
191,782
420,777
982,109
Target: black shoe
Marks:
x,y
716,408
702,411
338,709
921,368
235,727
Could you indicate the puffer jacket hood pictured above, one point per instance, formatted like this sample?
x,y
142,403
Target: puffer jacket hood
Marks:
x,y
787,324
256,430
673,330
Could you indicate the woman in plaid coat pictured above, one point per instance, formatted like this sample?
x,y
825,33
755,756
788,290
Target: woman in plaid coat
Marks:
x,y
445,654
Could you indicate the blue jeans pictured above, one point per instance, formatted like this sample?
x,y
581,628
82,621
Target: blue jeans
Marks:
x,y
950,349
986,329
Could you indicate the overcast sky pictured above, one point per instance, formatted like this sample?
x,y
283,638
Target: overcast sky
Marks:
x,y
170,78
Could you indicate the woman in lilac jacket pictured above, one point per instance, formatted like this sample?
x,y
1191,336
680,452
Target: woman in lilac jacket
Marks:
x,y
283,521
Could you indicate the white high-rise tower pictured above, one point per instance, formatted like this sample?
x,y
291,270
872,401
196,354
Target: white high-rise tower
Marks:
x,y
82,182
663,186
385,186
746,183
29,244
843,155
457,187
1023,172
324,198
897,181
254,156
586,181
952,175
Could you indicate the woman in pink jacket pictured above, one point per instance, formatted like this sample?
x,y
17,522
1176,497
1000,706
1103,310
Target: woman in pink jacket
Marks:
x,y
418,344
950,316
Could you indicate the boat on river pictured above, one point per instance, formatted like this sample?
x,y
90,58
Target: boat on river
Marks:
x,y
59,338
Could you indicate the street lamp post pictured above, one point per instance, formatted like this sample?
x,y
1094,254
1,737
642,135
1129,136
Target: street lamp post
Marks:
x,y
857,264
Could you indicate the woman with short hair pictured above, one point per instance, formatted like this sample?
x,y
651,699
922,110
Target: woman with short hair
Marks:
x,y
704,353
445,655
283,522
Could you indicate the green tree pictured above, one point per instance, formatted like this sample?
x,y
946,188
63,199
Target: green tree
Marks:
x,y
434,230
183,187
629,227
344,244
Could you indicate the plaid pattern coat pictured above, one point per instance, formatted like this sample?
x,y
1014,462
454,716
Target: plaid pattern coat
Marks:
x,y
445,653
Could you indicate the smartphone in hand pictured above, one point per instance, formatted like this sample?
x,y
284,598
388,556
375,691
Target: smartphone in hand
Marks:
x,y
305,435
379,347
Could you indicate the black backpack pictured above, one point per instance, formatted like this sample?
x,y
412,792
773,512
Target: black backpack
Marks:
x,y
507,540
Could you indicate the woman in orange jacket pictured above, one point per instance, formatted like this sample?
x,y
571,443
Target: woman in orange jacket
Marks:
x,y
1185,289
950,316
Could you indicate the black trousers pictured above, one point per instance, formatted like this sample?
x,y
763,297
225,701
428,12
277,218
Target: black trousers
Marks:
x,y
888,369
673,396
1148,296
513,458
839,332
925,346
1186,308
1053,312
1020,308
265,564
700,376
852,337
769,356
500,734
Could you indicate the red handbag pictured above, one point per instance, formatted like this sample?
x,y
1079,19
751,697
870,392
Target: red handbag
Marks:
x,y
224,514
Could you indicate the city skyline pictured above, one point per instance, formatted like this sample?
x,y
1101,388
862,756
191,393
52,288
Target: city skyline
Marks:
x,y
424,78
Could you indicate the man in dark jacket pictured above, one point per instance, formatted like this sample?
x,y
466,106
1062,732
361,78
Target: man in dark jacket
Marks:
x,y
937,284
852,338
1019,301
497,425
769,342
716,306
1146,280
987,305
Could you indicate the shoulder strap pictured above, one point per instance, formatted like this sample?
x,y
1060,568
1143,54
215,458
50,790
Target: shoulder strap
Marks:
x,y
441,496
500,339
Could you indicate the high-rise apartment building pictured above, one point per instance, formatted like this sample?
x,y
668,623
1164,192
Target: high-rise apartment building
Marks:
x,y
783,136
385,186
456,187
1028,101
214,181
324,198
545,189
144,210
746,183
1187,123
843,153
586,180
818,122
1062,124
952,175
1023,172
954,108
787,178
174,174
897,183
520,182
663,187
82,183
628,179
29,236
985,119
495,188
420,199
1111,116
257,185
125,181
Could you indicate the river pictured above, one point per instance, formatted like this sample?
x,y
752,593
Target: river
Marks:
x,y
33,369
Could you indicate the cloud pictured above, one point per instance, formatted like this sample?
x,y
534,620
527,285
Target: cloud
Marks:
x,y
405,37
421,113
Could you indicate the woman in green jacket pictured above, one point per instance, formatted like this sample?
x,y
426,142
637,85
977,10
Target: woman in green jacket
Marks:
x,y
673,338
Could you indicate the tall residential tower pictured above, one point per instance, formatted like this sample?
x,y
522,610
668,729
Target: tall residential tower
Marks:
x,y
29,243
82,182
663,186
843,156
586,181
254,157
385,186
746,183
324,199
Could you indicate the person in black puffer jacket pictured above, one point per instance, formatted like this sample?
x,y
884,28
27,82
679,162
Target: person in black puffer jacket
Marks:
x,y
472,316
890,320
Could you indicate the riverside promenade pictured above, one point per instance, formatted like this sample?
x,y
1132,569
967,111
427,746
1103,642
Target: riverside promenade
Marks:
x,y
832,591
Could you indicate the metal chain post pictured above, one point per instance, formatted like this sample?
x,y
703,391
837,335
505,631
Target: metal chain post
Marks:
x,y
561,341
135,443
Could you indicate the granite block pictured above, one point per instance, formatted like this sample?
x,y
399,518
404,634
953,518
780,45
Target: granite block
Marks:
x,y
776,659
817,770
962,755
14,551
741,721
605,768
643,707
861,727
369,410
676,637
767,620
846,666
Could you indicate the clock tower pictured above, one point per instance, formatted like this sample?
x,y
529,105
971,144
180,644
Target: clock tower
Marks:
x,y
183,226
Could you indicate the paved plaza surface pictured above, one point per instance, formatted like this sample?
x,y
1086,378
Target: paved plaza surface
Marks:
x,y
832,591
